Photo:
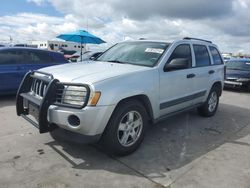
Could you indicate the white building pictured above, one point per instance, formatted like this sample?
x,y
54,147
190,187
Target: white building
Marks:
x,y
58,45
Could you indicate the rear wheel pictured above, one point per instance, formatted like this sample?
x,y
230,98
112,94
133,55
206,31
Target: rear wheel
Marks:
x,y
209,108
126,128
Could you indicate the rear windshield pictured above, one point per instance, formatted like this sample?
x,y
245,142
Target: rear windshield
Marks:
x,y
238,65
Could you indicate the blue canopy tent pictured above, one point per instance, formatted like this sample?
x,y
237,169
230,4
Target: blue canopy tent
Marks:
x,y
82,37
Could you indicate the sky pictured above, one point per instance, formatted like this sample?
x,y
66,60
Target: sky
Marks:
x,y
225,22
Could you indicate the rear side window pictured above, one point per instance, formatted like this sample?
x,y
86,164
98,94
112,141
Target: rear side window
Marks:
x,y
182,51
40,57
215,55
201,56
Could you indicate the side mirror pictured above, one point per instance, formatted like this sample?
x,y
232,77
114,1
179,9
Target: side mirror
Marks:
x,y
176,64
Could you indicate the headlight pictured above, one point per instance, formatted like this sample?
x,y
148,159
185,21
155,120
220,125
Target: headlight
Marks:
x,y
243,79
74,95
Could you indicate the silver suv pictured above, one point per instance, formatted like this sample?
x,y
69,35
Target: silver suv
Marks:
x,y
113,98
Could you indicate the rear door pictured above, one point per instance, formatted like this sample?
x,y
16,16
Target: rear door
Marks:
x,y
11,72
203,72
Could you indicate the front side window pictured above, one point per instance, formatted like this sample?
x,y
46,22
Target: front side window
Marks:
x,y
215,55
201,56
181,58
11,57
136,53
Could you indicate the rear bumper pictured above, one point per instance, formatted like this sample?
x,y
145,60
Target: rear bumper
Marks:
x,y
234,84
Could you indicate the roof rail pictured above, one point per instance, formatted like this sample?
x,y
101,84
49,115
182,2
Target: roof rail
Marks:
x,y
190,38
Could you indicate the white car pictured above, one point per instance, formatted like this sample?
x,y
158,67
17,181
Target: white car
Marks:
x,y
133,83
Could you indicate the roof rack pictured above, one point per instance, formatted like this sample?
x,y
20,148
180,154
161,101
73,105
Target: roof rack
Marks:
x,y
190,38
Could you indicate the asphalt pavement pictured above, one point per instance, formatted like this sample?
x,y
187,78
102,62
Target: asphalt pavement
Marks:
x,y
185,150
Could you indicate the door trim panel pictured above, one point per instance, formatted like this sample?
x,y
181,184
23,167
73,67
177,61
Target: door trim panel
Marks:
x,y
182,100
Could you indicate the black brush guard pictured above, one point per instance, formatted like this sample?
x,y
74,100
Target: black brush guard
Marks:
x,y
42,104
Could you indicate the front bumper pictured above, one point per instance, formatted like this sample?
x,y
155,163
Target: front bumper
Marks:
x,y
93,120
48,114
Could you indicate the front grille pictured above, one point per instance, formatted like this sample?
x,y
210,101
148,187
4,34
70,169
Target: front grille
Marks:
x,y
60,93
65,94
38,88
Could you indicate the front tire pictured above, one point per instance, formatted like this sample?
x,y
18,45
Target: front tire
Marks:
x,y
126,128
209,108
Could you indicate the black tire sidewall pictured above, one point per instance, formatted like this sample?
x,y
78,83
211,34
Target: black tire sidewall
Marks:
x,y
203,110
110,138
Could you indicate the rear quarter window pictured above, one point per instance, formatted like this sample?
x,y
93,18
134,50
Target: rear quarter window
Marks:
x,y
216,56
58,58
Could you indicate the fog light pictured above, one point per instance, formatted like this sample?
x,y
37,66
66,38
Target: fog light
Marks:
x,y
73,120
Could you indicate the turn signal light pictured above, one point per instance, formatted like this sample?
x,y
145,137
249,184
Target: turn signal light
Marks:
x,y
95,98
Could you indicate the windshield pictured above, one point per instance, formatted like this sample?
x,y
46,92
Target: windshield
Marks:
x,y
238,65
137,53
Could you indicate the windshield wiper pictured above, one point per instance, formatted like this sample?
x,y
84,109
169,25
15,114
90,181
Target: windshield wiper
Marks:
x,y
116,61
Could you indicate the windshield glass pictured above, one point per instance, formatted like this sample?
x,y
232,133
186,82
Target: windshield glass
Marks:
x,y
238,65
137,53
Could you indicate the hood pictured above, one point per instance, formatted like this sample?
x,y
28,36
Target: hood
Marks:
x,y
237,74
90,71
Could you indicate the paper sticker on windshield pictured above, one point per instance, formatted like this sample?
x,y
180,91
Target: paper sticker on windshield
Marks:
x,y
154,50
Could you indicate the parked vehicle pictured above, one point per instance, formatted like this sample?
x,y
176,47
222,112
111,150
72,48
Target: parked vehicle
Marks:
x,y
238,74
15,62
113,98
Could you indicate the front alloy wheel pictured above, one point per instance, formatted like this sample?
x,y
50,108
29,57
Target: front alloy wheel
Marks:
x,y
126,128
130,128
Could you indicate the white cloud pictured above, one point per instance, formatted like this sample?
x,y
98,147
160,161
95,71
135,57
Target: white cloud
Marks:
x,y
37,2
114,21
27,26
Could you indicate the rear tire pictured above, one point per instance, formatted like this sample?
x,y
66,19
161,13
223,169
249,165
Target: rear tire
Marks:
x,y
126,128
209,108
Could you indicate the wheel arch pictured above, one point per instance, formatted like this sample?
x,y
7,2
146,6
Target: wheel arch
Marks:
x,y
144,100
218,85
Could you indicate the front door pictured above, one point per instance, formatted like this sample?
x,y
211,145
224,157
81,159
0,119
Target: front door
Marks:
x,y
176,81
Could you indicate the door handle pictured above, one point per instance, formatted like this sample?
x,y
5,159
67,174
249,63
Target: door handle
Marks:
x,y
211,72
190,75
